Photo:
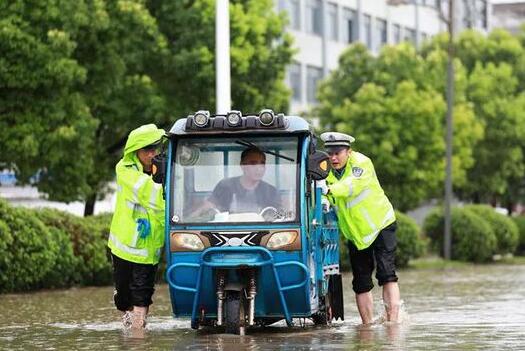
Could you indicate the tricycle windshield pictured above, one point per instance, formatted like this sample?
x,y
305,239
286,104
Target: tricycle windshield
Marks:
x,y
235,180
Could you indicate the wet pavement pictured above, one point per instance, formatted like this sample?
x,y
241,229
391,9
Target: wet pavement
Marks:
x,y
469,308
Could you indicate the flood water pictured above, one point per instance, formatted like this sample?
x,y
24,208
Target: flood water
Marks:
x,y
468,308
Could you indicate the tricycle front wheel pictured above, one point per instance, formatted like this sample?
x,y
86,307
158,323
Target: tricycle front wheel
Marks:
x,y
234,315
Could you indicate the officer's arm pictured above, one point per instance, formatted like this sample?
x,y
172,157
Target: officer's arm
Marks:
x,y
139,188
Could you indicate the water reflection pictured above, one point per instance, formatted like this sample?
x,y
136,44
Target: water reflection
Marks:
x,y
478,307
386,336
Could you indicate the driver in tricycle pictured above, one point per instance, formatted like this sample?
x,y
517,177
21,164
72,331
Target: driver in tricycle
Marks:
x,y
245,193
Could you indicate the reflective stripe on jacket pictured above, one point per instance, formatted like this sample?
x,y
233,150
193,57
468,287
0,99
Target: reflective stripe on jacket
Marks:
x,y
362,207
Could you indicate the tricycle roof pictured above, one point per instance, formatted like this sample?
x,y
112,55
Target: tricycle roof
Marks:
x,y
234,122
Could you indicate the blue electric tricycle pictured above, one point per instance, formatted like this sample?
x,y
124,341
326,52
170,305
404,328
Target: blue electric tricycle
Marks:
x,y
244,266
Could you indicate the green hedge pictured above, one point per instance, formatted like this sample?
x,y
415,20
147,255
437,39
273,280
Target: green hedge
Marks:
x,y
506,231
88,237
28,251
6,240
85,250
344,258
473,239
520,222
410,244
47,248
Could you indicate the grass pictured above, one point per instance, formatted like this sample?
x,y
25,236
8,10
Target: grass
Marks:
x,y
435,262
512,260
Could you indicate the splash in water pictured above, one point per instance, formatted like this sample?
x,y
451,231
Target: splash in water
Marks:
x,y
402,317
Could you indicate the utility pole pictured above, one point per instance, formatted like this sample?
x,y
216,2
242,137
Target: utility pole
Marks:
x,y
222,56
449,21
449,132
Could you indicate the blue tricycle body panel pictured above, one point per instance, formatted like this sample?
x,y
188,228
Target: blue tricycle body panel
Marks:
x,y
290,280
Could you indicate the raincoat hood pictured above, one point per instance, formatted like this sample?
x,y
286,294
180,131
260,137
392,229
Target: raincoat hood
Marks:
x,y
142,136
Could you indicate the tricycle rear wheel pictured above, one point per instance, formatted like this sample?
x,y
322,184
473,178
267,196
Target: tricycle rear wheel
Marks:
x,y
324,315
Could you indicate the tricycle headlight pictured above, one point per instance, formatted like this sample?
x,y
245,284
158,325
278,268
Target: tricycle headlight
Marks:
x,y
281,239
201,118
233,118
187,241
266,117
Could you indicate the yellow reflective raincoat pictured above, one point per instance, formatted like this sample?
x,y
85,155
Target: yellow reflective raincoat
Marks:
x,y
362,207
137,228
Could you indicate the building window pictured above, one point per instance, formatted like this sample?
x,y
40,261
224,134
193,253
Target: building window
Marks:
x,y
333,23
367,31
468,14
292,7
482,11
313,76
313,17
382,32
410,35
294,77
397,33
349,22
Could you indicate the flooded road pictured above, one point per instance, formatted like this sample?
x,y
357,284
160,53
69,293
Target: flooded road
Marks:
x,y
468,308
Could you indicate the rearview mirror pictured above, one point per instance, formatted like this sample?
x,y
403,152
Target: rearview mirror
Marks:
x,y
158,168
319,165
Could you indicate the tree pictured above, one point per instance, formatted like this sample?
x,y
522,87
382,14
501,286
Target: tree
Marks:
x,y
496,84
78,76
75,85
259,52
117,44
499,155
397,116
45,124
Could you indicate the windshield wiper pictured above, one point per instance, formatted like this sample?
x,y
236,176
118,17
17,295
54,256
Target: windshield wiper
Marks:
x,y
250,144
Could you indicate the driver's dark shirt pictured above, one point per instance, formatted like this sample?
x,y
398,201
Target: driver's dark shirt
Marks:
x,y
230,195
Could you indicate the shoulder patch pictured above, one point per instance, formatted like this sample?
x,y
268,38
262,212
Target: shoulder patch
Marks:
x,y
357,171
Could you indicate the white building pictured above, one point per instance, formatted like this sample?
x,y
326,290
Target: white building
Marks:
x,y
509,15
324,28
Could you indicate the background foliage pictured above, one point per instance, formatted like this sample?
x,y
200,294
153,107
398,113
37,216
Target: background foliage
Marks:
x,y
520,222
29,251
506,231
394,104
77,76
45,248
410,243
473,239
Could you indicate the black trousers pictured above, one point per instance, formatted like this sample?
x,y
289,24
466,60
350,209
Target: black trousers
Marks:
x,y
134,283
382,253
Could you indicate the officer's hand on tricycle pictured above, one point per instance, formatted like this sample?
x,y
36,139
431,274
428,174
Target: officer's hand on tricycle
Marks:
x,y
324,187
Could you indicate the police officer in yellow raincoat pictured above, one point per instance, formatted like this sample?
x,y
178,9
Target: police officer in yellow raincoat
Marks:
x,y
137,230
366,218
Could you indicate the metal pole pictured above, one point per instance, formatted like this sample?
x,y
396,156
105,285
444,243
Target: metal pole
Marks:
x,y
360,22
449,132
222,56
324,34
417,24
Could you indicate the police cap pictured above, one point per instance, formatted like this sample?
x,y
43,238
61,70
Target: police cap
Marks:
x,y
334,141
